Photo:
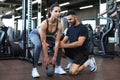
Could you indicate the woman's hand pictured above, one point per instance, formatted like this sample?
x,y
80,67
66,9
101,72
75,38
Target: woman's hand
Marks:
x,y
53,60
46,61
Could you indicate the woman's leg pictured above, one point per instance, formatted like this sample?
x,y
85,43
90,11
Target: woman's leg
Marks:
x,y
59,69
34,36
37,47
58,61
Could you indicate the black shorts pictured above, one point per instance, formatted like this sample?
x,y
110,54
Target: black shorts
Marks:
x,y
78,58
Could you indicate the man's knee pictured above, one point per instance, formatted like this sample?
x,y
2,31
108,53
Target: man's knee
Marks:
x,y
72,72
73,69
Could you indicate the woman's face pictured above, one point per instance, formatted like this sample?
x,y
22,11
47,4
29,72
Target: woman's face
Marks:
x,y
55,13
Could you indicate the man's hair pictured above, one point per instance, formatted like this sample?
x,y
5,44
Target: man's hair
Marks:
x,y
71,13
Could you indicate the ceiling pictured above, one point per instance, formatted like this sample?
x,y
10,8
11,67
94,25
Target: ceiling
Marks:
x,y
11,5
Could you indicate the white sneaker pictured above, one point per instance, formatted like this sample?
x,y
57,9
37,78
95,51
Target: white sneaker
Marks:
x,y
59,70
93,66
35,73
68,66
39,63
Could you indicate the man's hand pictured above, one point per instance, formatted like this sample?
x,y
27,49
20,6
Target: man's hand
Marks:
x,y
62,44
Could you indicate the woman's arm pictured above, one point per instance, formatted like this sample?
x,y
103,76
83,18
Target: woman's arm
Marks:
x,y
57,41
42,32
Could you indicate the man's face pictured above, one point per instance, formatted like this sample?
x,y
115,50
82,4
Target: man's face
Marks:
x,y
71,19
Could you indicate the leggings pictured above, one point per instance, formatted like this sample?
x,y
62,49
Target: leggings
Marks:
x,y
35,39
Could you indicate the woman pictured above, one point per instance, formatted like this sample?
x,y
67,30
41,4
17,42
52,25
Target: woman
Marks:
x,y
52,27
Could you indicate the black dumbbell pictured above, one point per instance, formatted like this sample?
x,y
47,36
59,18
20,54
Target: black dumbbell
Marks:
x,y
50,70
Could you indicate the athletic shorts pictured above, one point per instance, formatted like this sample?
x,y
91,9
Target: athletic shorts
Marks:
x,y
78,58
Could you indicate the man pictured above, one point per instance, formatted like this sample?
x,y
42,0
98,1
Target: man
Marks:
x,y
76,48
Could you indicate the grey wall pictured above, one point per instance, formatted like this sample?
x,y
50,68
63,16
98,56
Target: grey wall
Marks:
x,y
86,13
89,13
1,23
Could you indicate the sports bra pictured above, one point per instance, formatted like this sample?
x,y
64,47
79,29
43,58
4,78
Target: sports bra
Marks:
x,y
51,33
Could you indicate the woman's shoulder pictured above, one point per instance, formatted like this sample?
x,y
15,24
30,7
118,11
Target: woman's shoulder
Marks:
x,y
59,21
44,23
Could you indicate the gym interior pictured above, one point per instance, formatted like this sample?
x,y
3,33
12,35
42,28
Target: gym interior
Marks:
x,y
19,17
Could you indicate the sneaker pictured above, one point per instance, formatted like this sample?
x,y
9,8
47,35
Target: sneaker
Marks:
x,y
39,63
68,66
35,73
93,66
59,70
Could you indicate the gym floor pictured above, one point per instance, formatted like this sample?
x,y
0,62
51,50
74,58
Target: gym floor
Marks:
x,y
108,69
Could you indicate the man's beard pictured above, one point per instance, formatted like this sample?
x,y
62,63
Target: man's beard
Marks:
x,y
73,23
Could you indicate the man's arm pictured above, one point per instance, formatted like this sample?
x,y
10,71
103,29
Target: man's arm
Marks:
x,y
63,42
78,43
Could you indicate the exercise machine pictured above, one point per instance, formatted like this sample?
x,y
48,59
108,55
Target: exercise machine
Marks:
x,y
106,32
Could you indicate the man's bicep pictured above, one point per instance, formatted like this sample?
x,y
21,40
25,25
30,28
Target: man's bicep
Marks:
x,y
81,39
65,39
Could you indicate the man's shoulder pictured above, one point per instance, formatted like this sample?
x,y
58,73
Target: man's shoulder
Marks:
x,y
83,25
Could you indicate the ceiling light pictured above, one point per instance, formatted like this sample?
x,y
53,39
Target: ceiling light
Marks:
x,y
17,17
1,15
45,9
34,18
63,4
19,8
2,0
84,7
64,11
117,0
9,12
39,1
34,2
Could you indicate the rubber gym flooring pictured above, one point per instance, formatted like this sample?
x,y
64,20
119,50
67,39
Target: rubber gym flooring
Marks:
x,y
108,69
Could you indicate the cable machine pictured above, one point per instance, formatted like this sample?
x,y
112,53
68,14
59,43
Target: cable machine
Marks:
x,y
106,45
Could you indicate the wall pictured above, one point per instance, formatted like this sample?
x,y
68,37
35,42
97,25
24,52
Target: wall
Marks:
x,y
84,13
88,13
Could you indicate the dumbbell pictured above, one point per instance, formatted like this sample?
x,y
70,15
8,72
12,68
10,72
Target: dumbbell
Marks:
x,y
50,70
